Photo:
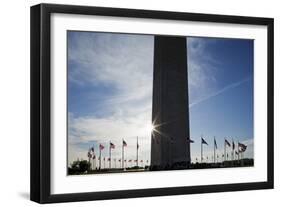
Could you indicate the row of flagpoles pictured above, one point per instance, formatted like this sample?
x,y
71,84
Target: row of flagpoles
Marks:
x,y
241,148
122,161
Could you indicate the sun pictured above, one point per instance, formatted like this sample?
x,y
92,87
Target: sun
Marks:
x,y
151,127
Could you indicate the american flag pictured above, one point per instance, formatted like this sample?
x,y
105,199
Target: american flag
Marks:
x,y
93,149
190,140
203,141
112,146
101,147
89,155
242,147
227,142
215,143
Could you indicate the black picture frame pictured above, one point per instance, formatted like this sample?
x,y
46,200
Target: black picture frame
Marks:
x,y
41,99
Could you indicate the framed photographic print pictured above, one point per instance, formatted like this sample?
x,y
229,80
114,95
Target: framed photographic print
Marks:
x,y
133,103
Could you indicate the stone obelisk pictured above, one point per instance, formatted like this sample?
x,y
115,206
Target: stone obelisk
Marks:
x,y
170,148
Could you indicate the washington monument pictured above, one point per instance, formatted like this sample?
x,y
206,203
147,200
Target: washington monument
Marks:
x,y
170,148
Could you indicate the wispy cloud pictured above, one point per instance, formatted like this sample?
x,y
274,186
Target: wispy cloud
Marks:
x,y
218,92
122,63
202,68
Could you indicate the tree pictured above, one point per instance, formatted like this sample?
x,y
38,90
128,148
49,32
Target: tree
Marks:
x,y
79,167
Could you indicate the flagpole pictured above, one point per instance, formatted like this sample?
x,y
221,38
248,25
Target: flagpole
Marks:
x,y
94,163
137,151
242,158
214,150
122,153
224,151
201,151
109,154
238,151
89,160
232,152
100,160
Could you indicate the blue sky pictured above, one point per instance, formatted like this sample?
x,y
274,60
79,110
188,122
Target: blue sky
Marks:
x,y
110,92
221,97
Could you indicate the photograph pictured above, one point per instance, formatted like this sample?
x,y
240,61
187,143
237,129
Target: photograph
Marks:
x,y
129,103
145,102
